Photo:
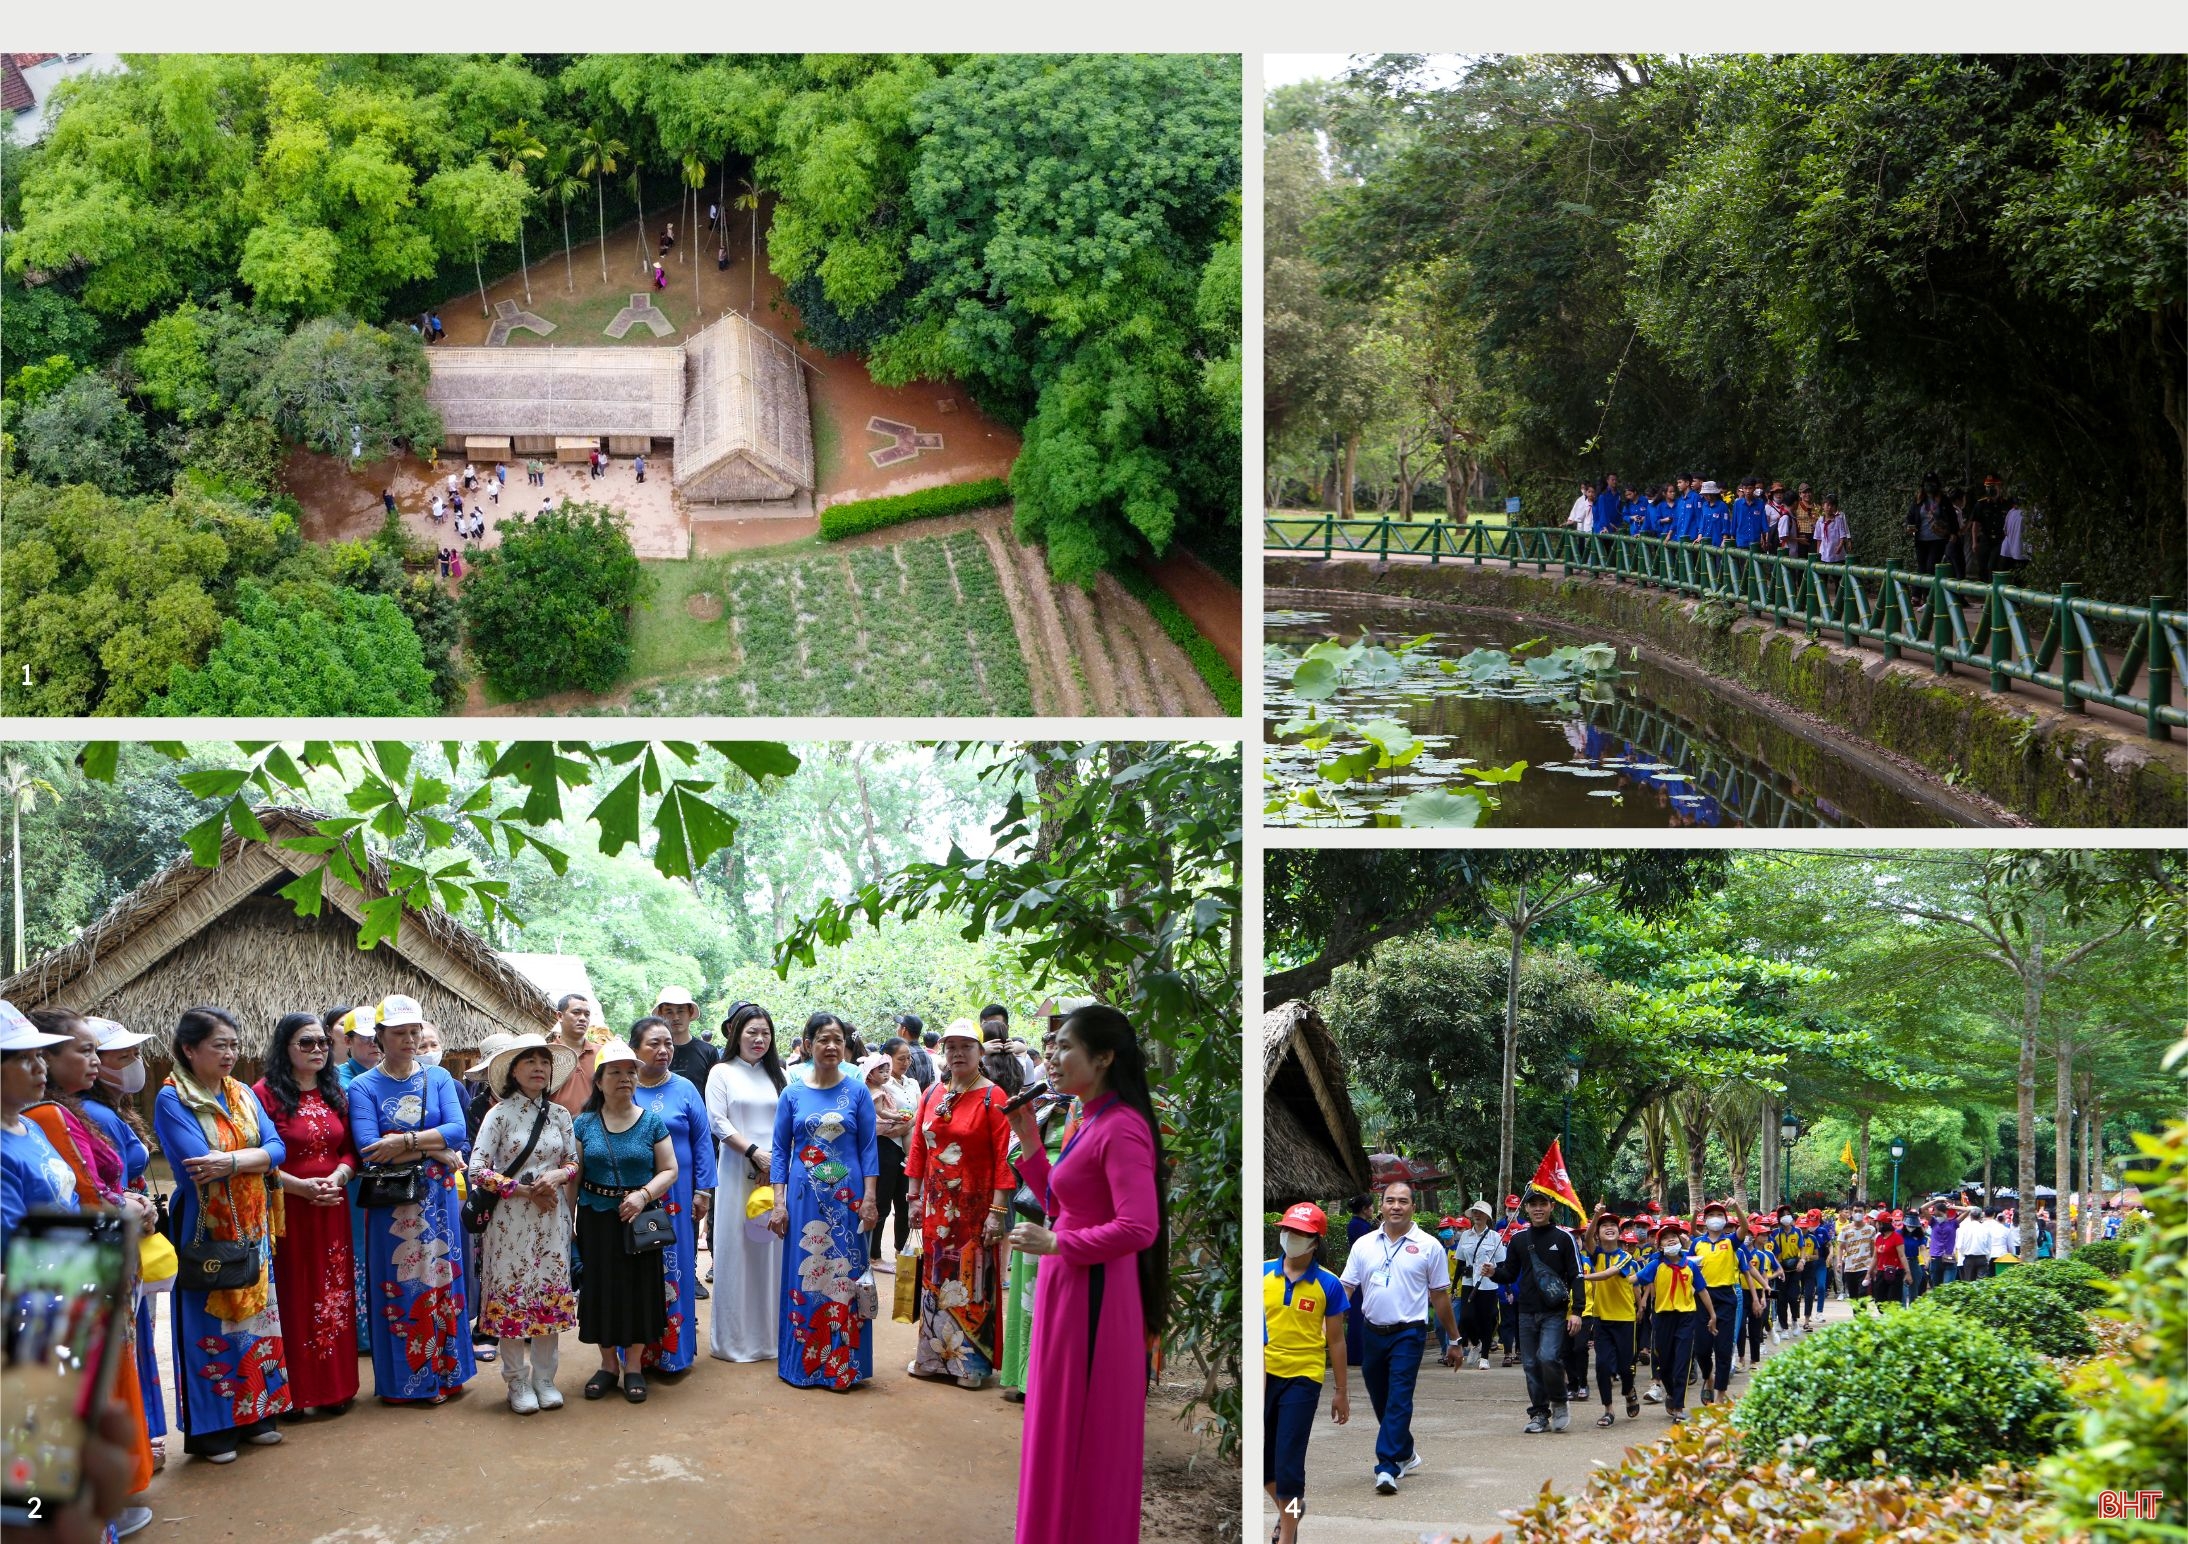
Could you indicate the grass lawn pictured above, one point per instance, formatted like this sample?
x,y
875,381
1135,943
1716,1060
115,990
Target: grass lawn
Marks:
x,y
915,628
581,319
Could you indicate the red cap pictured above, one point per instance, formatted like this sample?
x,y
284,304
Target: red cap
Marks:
x,y
1306,1217
1652,1208
1448,1222
1813,1217
1757,1226
1511,1200
1716,1206
1672,1225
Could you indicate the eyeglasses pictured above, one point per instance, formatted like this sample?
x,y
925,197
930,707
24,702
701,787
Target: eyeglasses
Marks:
x,y
311,1043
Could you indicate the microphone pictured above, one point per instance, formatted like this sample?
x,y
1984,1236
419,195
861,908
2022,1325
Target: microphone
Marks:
x,y
1024,1097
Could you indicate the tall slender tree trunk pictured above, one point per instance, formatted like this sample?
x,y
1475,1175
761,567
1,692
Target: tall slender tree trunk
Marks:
x,y
2032,1013
569,267
484,309
15,869
1345,504
752,267
603,189
1769,1140
524,261
1508,1097
2062,1146
645,253
1861,1170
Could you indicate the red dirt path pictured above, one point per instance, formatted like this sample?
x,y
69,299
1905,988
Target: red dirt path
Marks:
x,y
1215,606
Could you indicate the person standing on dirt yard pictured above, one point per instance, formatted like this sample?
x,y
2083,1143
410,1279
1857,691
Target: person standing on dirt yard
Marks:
x,y
1400,1275
387,500
639,463
1302,1324
1545,1265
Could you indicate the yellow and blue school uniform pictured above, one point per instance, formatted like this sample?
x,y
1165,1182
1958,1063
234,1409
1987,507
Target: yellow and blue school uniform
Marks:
x,y
1611,1299
1295,1318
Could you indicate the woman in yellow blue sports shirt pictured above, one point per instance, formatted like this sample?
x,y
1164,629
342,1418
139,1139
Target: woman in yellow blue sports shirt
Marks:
x,y
1609,1271
1717,1258
1676,1301
1303,1323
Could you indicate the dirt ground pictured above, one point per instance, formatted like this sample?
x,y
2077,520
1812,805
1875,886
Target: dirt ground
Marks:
x,y
724,1451
844,397
1213,602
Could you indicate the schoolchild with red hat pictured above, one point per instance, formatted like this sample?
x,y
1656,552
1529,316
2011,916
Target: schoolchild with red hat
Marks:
x,y
1677,1299
1302,1330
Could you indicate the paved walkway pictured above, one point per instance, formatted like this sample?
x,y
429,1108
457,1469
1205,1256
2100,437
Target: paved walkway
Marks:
x,y
1476,1461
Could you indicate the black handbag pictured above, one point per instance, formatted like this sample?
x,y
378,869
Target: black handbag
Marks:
x,y
651,1229
214,1265
479,1203
400,1184
1548,1283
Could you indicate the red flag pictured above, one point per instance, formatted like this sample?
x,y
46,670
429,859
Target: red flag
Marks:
x,y
1550,1176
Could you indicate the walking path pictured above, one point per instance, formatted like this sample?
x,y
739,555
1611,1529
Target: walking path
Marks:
x,y
1476,1461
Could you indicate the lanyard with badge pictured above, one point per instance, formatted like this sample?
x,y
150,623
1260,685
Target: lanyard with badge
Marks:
x,y
1381,1276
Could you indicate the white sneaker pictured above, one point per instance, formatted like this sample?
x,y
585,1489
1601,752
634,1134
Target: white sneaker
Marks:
x,y
1409,1466
549,1397
523,1399
265,1439
1483,1364
1386,1483
130,1520
1776,1339
228,1457
1655,1395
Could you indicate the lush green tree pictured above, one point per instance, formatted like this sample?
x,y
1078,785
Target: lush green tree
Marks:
x,y
82,431
332,654
43,322
337,386
549,608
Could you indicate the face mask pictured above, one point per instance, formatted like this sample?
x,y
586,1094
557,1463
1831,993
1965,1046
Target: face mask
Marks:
x,y
130,1079
1297,1246
1674,1250
429,1058
1447,1235
1714,1224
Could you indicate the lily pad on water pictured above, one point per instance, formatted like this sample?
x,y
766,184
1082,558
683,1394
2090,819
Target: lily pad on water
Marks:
x,y
1315,680
1439,810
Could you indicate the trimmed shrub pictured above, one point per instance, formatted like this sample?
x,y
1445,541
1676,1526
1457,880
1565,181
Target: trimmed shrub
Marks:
x,y
2134,1435
2075,1279
549,609
2021,1309
859,515
2108,1255
1933,1393
1171,618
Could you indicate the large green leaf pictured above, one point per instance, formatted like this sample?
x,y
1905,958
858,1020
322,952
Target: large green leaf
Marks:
x,y
1433,807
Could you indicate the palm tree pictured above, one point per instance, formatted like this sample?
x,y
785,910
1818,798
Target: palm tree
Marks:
x,y
695,178
22,786
750,199
599,152
638,192
564,185
512,147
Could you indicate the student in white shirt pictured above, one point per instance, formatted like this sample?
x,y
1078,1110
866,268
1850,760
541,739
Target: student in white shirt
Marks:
x,y
1582,515
1398,1275
2013,546
1832,536
1478,1252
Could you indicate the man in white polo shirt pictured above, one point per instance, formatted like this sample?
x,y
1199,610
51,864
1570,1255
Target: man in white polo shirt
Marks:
x,y
1398,1275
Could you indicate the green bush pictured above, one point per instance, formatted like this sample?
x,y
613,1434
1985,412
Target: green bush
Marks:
x,y
840,520
1933,1393
2108,1255
312,651
1171,618
549,609
2079,1282
2134,1435
2019,1308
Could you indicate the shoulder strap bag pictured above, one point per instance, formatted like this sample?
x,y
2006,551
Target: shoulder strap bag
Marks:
x,y
651,1229
214,1264
479,1202
1548,1283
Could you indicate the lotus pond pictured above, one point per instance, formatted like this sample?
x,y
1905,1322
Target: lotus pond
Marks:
x,y
1485,722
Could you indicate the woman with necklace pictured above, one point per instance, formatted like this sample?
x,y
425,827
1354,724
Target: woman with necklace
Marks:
x,y
231,1369
621,1305
958,1171
677,1101
407,1116
1104,1289
824,1167
742,1092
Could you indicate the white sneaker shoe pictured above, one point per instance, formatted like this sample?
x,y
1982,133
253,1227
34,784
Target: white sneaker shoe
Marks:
x,y
549,1397
1386,1483
1655,1395
1409,1466
523,1399
1482,1365
265,1439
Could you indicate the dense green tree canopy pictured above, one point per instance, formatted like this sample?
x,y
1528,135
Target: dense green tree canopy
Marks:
x,y
549,608
1850,269
308,653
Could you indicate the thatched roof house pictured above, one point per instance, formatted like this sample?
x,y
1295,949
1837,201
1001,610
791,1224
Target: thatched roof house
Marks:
x,y
221,935
1310,1144
728,404
537,395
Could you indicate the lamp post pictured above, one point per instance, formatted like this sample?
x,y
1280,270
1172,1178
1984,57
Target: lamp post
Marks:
x,y
1572,1081
1789,1133
1899,1151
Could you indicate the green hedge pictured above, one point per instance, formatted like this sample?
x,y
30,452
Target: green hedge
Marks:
x,y
2019,1308
1931,1393
840,520
2108,1255
1171,618
2077,1280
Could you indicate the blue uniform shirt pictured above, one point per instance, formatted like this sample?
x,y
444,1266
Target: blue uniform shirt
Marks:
x,y
1748,522
1608,503
1714,521
1660,517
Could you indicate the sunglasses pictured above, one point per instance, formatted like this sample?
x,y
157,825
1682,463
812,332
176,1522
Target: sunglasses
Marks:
x,y
312,1043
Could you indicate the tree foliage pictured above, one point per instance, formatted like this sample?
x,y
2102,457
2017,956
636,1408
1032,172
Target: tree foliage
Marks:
x,y
549,608
320,653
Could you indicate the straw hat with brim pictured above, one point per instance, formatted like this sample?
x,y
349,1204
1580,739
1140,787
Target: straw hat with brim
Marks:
x,y
17,1033
503,1061
673,997
115,1037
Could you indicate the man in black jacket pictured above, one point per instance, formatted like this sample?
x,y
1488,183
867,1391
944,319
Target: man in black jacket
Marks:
x,y
1543,1253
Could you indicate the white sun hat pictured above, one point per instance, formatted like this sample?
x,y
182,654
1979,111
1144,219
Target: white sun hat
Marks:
x,y
18,1033
115,1037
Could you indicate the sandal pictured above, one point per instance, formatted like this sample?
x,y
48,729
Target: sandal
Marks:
x,y
1633,1407
1606,1419
634,1388
600,1384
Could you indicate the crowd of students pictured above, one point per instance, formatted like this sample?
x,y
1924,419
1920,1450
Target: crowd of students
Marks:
x,y
379,1206
1976,535
1695,1300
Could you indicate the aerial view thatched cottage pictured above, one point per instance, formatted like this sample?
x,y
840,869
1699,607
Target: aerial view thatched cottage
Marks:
x,y
1310,1145
728,405
222,936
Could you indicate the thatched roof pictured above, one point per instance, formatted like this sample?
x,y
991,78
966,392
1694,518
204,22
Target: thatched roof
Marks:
x,y
585,392
220,935
1310,1144
747,432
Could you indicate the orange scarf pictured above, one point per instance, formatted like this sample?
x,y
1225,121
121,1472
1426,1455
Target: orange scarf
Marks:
x,y
249,1210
